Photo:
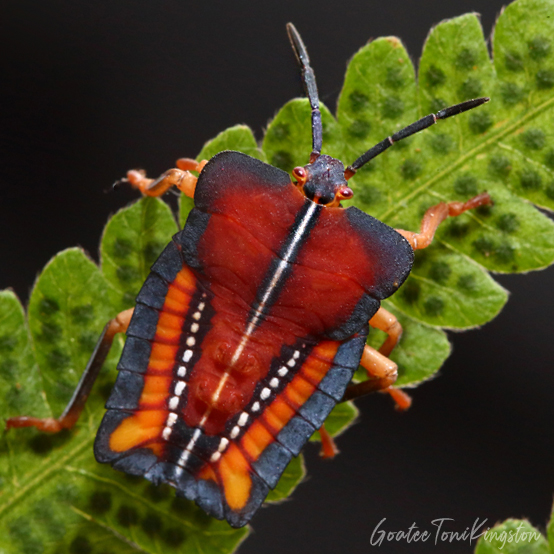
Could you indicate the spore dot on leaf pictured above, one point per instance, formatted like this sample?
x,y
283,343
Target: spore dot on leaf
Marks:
x,y
127,516
158,493
82,315
549,158
152,250
504,253
441,144
100,502
437,104
152,524
50,332
48,306
435,76
484,245
440,272
539,47
500,166
201,518
471,88
283,160
530,179
393,107
395,78
41,444
122,248
508,223
479,122
184,507
511,93
88,340
466,58
411,291
467,282
8,368
7,344
410,169
466,185
484,211
80,545
545,79
368,195
174,536
434,306
127,274
534,139
513,61
358,101
550,190
280,131
58,359
359,128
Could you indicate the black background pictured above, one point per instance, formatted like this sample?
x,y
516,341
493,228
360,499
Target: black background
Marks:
x,y
91,89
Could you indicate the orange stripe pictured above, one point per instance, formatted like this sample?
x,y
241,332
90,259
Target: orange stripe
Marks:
x,y
169,328
156,390
140,427
186,281
256,440
298,391
235,475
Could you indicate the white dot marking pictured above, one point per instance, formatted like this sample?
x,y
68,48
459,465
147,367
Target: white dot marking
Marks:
x,y
180,387
196,315
296,354
223,444
191,341
187,355
174,403
194,327
171,419
243,419
182,371
264,395
215,456
274,383
166,433
282,371
255,406
291,362
235,432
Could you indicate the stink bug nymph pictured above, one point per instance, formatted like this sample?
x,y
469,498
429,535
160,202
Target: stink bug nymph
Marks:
x,y
252,321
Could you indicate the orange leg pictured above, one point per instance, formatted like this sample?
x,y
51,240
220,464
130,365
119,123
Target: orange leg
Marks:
x,y
73,410
180,177
382,374
328,447
435,215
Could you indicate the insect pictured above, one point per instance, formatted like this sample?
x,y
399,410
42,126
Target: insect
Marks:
x,y
252,321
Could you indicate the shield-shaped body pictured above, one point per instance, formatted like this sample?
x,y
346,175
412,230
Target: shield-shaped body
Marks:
x,y
245,336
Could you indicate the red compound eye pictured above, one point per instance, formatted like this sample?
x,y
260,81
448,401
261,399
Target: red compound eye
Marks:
x,y
299,173
345,193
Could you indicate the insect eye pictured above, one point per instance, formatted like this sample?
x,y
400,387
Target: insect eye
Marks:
x,y
299,173
345,193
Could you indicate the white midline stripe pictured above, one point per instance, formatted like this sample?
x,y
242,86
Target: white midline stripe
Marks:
x,y
250,328
275,279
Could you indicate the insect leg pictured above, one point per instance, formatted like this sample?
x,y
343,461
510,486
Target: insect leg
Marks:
x,y
180,177
435,215
73,410
328,447
386,322
382,374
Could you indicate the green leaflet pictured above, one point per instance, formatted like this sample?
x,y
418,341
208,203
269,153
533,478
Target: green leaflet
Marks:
x,y
54,496
132,240
513,536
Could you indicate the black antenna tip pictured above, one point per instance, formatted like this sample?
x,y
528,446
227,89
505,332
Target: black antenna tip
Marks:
x,y
463,107
297,45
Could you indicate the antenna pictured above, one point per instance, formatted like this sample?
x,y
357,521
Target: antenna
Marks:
x,y
308,79
412,129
